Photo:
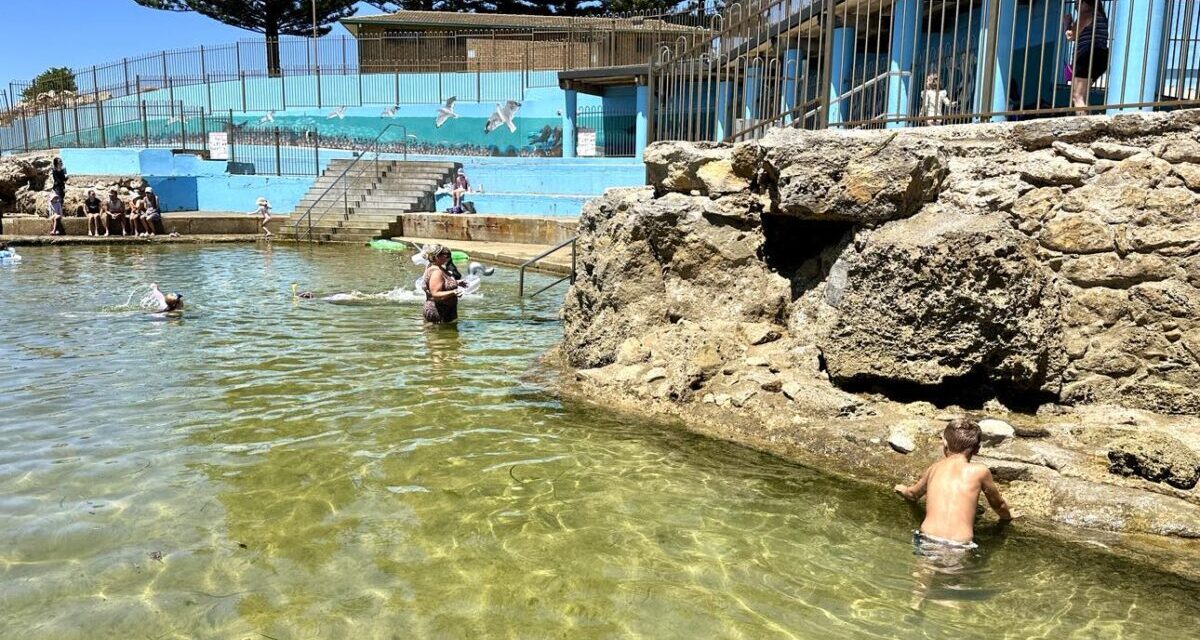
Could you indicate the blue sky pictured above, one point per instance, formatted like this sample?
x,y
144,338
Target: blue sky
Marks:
x,y
76,33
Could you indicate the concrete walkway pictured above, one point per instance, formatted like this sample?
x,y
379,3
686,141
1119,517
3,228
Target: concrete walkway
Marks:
x,y
505,253
30,241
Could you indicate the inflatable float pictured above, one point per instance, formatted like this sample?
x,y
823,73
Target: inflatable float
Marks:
x,y
8,256
387,245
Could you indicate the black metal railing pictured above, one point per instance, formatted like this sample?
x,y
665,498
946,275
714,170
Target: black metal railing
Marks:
x,y
602,131
880,63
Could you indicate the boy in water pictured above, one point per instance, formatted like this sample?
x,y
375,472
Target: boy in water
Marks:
x,y
952,486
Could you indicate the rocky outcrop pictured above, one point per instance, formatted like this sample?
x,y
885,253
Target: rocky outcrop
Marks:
x,y
810,292
25,185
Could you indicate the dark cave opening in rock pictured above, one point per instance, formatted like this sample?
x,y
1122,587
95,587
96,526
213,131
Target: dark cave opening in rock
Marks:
x,y
802,250
970,392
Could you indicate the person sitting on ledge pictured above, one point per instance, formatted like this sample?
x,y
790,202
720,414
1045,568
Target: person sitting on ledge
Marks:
x,y
461,187
95,219
952,486
150,217
114,214
136,207
56,215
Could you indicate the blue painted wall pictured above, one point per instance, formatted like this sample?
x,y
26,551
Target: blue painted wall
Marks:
x,y
188,183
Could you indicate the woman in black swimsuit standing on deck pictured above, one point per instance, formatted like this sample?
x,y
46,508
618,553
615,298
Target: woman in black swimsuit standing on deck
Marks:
x,y
1090,34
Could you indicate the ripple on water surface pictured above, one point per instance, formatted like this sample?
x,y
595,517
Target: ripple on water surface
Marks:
x,y
308,469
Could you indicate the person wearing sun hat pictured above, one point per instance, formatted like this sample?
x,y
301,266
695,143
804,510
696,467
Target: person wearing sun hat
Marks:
x,y
264,213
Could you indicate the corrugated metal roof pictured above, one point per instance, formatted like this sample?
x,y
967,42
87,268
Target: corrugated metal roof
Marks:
x,y
448,19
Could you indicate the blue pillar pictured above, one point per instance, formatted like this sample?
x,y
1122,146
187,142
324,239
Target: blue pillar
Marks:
x,y
842,45
723,110
995,56
750,92
906,29
1137,27
641,130
568,123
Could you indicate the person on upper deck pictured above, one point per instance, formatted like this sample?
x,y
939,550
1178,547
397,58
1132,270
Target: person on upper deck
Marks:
x,y
1089,32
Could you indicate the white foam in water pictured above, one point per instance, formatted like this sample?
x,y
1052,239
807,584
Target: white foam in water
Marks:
x,y
399,294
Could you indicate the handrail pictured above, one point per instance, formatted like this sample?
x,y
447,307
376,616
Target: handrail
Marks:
x,y
540,256
344,181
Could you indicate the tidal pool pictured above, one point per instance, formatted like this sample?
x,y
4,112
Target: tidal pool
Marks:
x,y
280,469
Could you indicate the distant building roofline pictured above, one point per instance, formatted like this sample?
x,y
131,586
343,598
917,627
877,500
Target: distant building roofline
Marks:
x,y
442,20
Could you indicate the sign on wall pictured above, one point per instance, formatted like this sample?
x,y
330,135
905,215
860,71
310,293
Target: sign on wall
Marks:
x,y
585,143
218,145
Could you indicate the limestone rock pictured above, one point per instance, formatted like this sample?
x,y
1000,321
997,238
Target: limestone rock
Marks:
x,y
1077,233
657,373
1184,150
843,175
1155,457
937,297
647,262
1189,173
1042,133
1074,153
1046,169
1111,270
995,432
757,333
676,166
1114,151
900,439
26,171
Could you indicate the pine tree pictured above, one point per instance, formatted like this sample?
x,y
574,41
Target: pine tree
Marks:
x,y
272,18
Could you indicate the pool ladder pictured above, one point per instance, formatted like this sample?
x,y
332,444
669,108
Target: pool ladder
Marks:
x,y
541,256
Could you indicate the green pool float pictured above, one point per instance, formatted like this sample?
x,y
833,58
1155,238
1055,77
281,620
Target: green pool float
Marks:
x,y
387,245
459,257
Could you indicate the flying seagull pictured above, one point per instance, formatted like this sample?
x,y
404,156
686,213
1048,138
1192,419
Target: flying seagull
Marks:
x,y
177,119
267,118
445,112
339,113
503,115
390,112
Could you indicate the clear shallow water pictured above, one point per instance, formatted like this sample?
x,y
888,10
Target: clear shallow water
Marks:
x,y
317,470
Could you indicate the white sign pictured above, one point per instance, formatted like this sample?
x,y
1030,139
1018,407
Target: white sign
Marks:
x,y
585,143
218,145
470,54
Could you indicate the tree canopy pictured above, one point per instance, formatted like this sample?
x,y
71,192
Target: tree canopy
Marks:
x,y
53,79
272,18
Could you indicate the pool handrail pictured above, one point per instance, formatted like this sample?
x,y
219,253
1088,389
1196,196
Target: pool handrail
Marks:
x,y
530,262
344,181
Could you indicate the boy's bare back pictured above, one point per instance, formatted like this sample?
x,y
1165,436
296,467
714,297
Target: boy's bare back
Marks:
x,y
952,486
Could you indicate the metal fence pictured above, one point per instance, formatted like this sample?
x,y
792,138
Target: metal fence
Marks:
x,y
888,63
603,131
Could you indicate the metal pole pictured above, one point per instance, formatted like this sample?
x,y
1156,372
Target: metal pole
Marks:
x,y
145,125
99,109
125,64
46,118
182,127
278,155
316,153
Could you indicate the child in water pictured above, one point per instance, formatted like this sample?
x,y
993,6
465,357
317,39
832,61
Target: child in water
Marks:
x,y
170,304
952,486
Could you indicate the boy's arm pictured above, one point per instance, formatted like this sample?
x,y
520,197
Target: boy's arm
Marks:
x,y
917,490
999,504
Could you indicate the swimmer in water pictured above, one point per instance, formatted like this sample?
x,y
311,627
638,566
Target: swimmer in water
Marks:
x,y
301,295
170,304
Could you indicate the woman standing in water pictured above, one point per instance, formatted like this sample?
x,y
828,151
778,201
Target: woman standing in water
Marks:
x,y
441,289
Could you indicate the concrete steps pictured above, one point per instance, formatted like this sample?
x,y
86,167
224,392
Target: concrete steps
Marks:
x,y
369,203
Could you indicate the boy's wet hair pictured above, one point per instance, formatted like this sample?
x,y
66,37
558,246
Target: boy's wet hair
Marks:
x,y
962,435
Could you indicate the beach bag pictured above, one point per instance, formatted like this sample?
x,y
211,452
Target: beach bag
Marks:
x,y
468,207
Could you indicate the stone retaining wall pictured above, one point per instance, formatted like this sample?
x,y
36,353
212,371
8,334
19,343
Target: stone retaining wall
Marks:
x,y
507,229
184,224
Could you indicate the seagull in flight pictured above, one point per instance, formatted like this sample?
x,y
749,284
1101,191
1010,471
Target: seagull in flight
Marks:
x,y
445,112
503,115
268,118
177,120
390,112
339,113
